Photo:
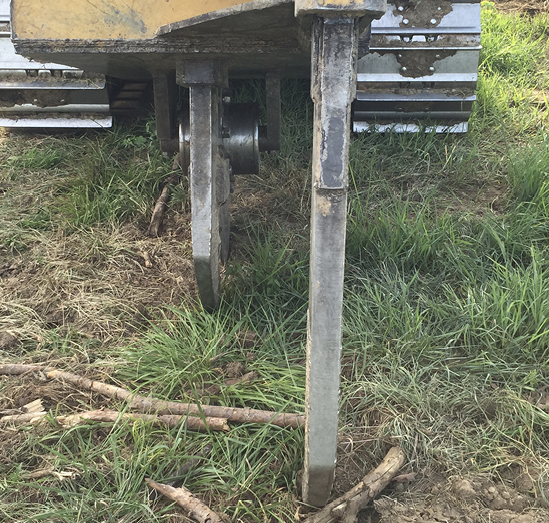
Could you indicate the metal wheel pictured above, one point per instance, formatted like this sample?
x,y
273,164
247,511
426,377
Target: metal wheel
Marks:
x,y
210,173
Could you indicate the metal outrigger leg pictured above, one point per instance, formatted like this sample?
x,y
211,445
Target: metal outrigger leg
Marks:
x,y
333,86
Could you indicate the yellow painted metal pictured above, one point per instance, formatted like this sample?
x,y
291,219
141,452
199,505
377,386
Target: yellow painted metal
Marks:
x,y
104,19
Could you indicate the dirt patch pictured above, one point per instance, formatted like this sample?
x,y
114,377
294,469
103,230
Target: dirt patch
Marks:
x,y
7,341
96,284
460,500
489,199
528,7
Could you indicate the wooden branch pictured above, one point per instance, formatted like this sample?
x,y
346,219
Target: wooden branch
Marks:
x,y
33,406
161,206
346,507
110,416
185,498
159,407
27,417
15,369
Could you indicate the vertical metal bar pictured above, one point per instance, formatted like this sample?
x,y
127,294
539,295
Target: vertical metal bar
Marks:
x,y
333,87
272,85
205,138
165,109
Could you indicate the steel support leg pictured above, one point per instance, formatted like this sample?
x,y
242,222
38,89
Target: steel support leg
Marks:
x,y
209,182
333,84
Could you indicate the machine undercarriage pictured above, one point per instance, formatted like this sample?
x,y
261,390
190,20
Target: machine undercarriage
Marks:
x,y
415,70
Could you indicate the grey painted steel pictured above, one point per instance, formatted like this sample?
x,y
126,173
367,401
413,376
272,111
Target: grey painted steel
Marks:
x,y
269,135
59,122
42,95
361,127
333,86
463,18
354,8
165,110
209,182
419,52
240,137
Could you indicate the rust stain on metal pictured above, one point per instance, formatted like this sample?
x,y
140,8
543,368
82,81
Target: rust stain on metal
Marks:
x,y
323,204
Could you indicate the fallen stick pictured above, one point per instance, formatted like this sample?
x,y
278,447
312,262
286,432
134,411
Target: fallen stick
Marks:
x,y
27,417
161,206
346,507
186,499
33,406
110,416
159,407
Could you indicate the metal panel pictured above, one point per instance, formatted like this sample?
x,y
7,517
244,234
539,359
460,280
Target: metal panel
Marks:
x,y
112,19
68,122
4,10
360,127
423,57
464,18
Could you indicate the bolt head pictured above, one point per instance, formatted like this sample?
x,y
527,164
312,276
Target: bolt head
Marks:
x,y
405,21
433,21
399,56
437,56
403,69
432,69
400,8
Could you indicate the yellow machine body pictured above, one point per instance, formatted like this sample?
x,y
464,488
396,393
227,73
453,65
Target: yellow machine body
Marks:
x,y
105,19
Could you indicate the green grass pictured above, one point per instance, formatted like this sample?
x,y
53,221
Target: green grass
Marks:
x,y
446,312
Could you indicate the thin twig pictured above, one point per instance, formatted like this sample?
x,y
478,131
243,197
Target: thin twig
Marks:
x,y
161,206
185,498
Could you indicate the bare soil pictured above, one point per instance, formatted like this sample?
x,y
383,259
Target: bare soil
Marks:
x,y
528,7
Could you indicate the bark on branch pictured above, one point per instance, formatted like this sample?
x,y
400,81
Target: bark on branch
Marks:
x,y
346,507
110,416
160,407
185,498
171,421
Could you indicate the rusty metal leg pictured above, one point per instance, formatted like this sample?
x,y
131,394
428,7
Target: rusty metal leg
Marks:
x,y
209,181
333,82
